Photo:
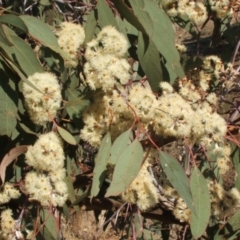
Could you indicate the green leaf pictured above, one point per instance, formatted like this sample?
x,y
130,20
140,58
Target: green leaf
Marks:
x,y
21,54
8,104
126,169
49,229
43,34
14,21
237,182
79,101
126,13
99,172
201,201
105,15
159,30
4,37
66,136
90,26
177,178
233,225
71,192
119,146
82,197
149,59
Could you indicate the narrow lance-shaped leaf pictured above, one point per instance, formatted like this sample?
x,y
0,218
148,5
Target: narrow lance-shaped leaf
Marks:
x,y
149,59
177,178
8,104
4,37
126,169
119,146
42,33
14,21
105,15
99,172
9,157
201,201
66,136
50,223
90,26
126,13
159,30
22,55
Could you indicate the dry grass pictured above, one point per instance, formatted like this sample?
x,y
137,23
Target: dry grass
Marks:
x,y
83,226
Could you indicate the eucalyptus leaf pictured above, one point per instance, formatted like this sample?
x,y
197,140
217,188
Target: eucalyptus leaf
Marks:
x,y
66,136
14,21
119,146
149,59
90,26
105,15
42,33
99,172
126,169
177,178
201,200
22,55
4,37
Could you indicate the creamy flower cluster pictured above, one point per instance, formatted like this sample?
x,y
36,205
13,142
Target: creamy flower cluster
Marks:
x,y
183,114
106,65
223,203
142,190
195,11
7,225
70,37
222,8
47,185
42,105
108,111
9,192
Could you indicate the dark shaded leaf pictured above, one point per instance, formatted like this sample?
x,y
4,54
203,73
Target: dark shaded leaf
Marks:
x,y
9,157
99,172
149,59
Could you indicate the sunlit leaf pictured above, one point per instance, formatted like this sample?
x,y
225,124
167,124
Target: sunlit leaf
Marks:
x,y
90,26
66,136
21,54
14,21
43,34
4,37
177,178
105,15
201,201
126,169
118,146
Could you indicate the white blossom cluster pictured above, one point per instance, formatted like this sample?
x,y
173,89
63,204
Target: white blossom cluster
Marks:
x,y
195,11
46,184
70,37
42,104
106,65
222,8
